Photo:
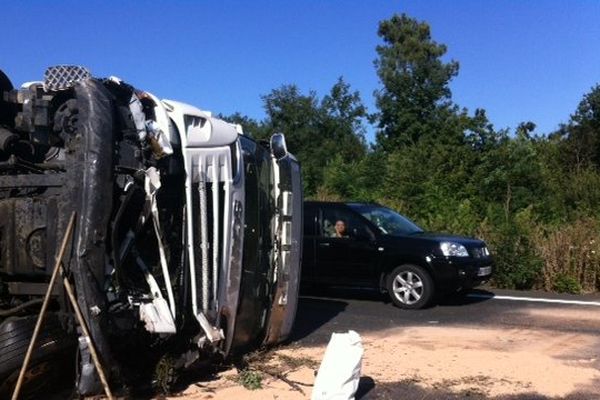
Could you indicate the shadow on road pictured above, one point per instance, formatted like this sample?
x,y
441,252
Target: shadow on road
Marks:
x,y
365,385
314,313
473,296
346,293
410,389
462,299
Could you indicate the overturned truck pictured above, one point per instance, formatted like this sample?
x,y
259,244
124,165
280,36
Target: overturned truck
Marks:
x,y
187,241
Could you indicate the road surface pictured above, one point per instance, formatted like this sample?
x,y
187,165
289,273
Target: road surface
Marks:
x,y
491,344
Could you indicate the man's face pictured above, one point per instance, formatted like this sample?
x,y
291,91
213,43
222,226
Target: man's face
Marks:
x,y
340,227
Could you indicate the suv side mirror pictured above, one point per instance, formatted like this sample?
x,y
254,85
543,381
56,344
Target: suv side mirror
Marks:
x,y
278,146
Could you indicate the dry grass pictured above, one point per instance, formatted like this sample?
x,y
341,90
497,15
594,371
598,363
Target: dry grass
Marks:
x,y
571,253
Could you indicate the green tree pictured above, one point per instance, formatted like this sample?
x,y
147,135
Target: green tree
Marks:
x,y
415,98
318,131
343,117
359,179
581,135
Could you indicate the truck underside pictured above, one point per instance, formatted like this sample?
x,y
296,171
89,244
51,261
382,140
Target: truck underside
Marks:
x,y
187,238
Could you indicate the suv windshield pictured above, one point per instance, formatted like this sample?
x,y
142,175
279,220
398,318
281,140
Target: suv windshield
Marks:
x,y
388,221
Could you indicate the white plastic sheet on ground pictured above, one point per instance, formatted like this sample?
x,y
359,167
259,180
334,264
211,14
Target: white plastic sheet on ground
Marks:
x,y
339,372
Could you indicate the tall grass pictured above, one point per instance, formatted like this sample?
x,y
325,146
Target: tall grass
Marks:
x,y
571,256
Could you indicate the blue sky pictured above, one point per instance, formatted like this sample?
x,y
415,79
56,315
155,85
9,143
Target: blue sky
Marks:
x,y
520,60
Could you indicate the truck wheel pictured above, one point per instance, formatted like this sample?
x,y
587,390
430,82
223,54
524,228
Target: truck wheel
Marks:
x,y
53,354
410,287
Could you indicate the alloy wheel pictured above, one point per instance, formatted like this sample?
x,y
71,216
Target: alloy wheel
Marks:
x,y
408,287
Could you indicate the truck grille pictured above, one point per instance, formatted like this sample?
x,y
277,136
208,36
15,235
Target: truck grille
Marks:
x,y
211,212
62,77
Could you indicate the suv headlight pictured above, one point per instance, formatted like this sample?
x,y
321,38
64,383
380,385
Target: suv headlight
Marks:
x,y
450,249
486,251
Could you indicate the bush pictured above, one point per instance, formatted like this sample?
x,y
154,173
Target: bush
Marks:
x,y
518,266
251,380
566,284
453,216
563,258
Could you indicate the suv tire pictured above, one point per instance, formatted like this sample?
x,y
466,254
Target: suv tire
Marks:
x,y
410,287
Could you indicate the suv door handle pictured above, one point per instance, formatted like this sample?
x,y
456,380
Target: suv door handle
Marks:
x,y
324,244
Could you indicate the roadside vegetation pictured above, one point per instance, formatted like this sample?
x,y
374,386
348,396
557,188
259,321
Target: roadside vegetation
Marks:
x,y
533,196
254,367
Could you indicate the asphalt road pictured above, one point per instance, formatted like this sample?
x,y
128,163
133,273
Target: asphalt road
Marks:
x,y
322,312
337,310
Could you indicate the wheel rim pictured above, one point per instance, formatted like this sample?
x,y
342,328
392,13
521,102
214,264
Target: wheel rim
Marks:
x,y
408,287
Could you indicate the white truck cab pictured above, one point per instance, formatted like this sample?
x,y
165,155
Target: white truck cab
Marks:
x,y
188,237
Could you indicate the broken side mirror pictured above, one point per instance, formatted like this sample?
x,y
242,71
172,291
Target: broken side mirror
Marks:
x,y
278,146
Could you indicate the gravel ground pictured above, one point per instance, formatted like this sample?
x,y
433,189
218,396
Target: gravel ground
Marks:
x,y
522,351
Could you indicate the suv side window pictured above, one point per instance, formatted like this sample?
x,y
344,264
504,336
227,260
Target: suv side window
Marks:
x,y
355,226
310,220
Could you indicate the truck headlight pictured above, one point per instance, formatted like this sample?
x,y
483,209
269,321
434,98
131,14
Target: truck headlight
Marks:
x,y
450,249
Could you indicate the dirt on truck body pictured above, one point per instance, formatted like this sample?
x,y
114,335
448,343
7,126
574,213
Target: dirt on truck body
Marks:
x,y
187,241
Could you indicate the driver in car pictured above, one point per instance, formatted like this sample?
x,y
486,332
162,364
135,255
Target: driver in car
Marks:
x,y
340,230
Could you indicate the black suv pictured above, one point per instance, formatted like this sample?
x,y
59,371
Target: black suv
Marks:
x,y
368,245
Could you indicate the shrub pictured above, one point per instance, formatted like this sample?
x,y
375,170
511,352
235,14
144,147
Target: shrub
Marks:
x,y
566,284
251,380
518,266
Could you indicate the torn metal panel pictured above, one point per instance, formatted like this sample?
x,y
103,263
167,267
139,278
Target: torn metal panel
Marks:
x,y
156,317
156,314
159,130
151,185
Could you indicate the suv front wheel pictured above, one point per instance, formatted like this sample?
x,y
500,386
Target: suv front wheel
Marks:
x,y
410,287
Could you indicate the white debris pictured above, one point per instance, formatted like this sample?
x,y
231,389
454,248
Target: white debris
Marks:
x,y
157,317
339,372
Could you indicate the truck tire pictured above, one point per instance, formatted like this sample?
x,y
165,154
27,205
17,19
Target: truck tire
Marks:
x,y
54,350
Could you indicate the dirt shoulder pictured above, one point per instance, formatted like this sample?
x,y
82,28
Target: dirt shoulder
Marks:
x,y
431,361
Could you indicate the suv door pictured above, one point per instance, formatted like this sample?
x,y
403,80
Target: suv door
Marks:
x,y
308,245
349,260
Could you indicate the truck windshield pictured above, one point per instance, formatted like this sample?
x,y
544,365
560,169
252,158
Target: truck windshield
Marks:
x,y
388,221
